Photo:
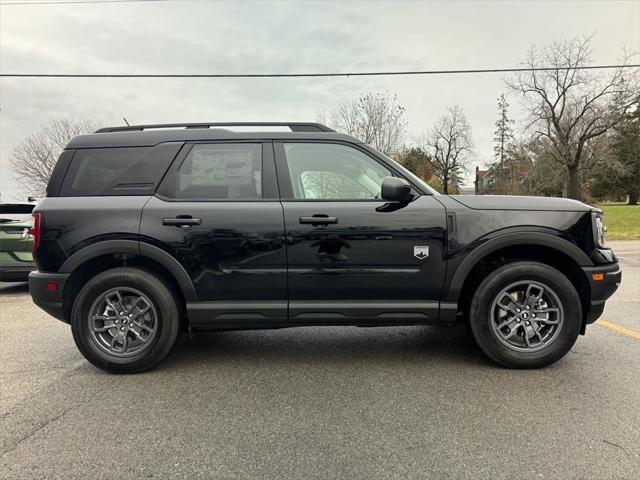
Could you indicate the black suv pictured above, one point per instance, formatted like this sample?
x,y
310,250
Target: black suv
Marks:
x,y
149,231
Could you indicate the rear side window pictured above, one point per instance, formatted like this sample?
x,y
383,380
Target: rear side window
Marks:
x,y
117,171
222,171
19,208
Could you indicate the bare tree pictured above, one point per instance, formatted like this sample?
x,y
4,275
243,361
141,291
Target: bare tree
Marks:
x,y
33,159
374,118
570,106
450,145
617,170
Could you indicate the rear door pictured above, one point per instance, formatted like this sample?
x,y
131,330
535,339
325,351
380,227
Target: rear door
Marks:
x,y
352,256
217,211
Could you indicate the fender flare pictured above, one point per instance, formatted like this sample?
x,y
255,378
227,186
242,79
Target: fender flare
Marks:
x,y
139,249
509,240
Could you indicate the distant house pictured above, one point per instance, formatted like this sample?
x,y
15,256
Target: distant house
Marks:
x,y
515,180
483,179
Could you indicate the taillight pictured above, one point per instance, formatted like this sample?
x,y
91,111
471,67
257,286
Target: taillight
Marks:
x,y
35,230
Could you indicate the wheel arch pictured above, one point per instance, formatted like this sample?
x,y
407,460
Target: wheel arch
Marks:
x,y
115,253
542,247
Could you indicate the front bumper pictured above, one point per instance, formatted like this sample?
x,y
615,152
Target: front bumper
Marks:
x,y
47,299
15,271
604,281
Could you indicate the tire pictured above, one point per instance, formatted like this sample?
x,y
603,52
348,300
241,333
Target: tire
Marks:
x,y
151,314
515,336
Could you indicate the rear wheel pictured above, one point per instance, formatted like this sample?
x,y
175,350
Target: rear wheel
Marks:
x,y
525,315
125,320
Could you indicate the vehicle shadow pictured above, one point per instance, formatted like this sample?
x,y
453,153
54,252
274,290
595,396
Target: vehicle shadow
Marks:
x,y
13,288
326,346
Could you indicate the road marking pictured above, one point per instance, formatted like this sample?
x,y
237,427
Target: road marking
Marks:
x,y
619,329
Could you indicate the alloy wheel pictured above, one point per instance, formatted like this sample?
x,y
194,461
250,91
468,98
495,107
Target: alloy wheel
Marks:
x,y
527,316
123,322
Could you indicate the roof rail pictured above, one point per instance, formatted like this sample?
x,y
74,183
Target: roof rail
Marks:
x,y
295,127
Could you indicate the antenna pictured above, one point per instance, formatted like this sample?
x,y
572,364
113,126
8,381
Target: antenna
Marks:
x,y
125,121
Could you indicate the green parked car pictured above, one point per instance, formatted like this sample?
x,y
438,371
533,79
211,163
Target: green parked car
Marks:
x,y
16,260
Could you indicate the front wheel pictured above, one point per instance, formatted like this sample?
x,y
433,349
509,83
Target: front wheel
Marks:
x,y
525,315
125,320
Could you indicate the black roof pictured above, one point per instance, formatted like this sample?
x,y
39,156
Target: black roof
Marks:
x,y
150,135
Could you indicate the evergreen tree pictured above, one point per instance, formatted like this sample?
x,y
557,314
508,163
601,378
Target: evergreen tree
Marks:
x,y
504,131
503,138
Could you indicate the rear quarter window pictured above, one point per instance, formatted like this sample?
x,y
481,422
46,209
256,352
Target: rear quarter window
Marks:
x,y
17,208
118,170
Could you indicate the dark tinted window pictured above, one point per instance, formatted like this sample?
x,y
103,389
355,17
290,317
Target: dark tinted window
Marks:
x,y
59,171
117,171
221,171
16,207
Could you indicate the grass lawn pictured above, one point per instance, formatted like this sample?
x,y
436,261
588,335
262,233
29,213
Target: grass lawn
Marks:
x,y
622,221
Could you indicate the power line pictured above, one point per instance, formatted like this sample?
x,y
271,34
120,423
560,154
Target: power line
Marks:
x,y
296,75
65,2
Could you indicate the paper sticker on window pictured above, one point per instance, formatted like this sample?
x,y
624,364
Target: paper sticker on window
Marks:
x,y
222,167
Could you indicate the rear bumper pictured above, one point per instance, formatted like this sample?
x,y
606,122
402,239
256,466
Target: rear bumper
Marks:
x,y
47,299
16,271
601,289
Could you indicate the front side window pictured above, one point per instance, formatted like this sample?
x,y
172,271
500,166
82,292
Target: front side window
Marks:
x,y
221,172
325,171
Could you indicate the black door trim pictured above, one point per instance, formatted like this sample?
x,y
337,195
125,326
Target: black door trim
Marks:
x,y
240,315
236,314
353,312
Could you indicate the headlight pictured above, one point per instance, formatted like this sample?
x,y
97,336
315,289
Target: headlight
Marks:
x,y
599,230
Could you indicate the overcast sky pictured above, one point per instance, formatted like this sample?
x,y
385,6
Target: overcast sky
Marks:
x,y
192,36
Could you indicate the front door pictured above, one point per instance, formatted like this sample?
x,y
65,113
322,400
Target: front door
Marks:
x,y
352,257
218,213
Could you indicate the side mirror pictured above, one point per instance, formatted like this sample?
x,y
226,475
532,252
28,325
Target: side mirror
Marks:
x,y
395,189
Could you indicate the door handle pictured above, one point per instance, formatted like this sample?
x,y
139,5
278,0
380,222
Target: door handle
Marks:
x,y
318,220
183,221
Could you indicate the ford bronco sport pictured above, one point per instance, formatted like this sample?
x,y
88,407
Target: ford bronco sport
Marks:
x,y
151,230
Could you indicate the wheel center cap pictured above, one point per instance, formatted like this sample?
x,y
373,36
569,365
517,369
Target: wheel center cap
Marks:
x,y
524,315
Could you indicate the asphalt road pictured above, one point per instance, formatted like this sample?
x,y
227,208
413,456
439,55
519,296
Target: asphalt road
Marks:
x,y
414,402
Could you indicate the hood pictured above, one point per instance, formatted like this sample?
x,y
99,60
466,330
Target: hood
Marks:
x,y
507,202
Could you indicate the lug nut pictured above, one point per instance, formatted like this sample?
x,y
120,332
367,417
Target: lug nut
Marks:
x,y
518,310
